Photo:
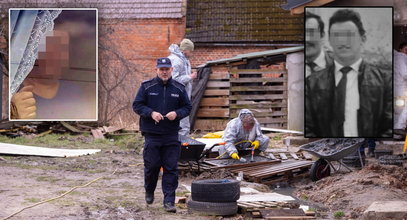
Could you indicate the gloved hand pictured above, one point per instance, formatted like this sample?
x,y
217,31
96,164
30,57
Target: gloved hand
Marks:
x,y
235,156
23,103
256,144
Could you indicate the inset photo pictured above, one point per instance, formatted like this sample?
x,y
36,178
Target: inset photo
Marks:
x,y
348,72
53,64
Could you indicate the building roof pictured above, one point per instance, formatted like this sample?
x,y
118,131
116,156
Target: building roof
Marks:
x,y
242,21
266,53
108,9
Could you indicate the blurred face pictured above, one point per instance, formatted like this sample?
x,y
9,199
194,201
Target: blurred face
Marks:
x,y
164,73
187,53
248,126
346,42
313,39
50,62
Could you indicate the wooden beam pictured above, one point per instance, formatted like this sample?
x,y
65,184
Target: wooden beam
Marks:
x,y
217,84
258,97
213,112
264,106
262,114
216,92
262,80
257,71
219,76
271,120
214,102
257,88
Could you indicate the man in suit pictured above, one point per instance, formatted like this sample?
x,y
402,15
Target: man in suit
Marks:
x,y
351,98
316,58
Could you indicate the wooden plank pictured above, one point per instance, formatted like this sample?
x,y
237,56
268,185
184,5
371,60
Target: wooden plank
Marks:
x,y
210,124
264,106
257,71
14,149
217,84
257,97
271,120
283,156
214,102
219,76
245,165
262,114
260,80
257,88
216,92
213,112
272,156
97,133
294,156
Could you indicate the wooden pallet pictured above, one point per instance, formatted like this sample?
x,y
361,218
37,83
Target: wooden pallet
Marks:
x,y
250,207
273,173
287,156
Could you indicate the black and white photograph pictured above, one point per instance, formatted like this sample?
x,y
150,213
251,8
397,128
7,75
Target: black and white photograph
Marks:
x,y
348,72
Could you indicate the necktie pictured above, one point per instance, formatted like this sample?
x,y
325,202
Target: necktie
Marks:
x,y
339,100
312,66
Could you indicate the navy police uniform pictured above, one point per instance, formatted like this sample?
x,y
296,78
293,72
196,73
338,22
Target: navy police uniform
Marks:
x,y
162,147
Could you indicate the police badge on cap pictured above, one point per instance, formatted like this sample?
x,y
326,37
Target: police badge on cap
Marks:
x,y
164,62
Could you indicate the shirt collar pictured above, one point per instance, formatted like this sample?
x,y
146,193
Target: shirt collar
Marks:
x,y
320,60
355,66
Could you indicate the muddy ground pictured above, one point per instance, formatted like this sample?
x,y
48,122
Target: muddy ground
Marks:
x,y
352,192
26,180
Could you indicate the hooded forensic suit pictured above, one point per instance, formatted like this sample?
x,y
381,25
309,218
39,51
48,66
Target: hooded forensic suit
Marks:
x,y
181,71
235,133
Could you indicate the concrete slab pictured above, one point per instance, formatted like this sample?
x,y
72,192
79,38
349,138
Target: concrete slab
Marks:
x,y
386,210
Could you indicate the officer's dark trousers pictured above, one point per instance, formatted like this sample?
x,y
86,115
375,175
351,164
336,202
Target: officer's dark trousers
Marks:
x,y
161,151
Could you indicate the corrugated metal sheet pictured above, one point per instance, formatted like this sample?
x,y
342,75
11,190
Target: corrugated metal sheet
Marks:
x,y
126,9
242,21
266,53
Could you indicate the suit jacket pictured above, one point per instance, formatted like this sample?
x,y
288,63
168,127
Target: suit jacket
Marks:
x,y
375,114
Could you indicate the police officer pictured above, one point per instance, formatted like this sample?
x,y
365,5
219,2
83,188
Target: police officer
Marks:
x,y
161,103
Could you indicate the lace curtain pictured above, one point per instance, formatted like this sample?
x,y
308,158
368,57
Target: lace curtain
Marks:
x,y
27,28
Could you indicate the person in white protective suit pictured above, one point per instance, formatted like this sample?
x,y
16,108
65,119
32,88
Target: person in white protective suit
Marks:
x,y
400,90
246,130
182,73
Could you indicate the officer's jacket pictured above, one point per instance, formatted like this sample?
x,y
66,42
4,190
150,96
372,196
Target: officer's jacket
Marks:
x,y
375,117
154,95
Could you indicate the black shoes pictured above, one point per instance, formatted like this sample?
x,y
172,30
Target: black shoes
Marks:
x,y
169,207
149,198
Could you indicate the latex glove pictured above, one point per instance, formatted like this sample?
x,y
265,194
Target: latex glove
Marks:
x,y
256,144
171,115
24,104
235,156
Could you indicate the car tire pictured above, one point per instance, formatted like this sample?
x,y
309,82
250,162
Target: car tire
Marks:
x,y
215,190
213,208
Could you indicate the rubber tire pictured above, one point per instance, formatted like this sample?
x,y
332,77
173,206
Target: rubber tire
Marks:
x,y
215,190
317,168
213,208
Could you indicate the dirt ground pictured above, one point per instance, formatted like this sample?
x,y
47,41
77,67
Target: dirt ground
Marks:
x,y
353,192
26,180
